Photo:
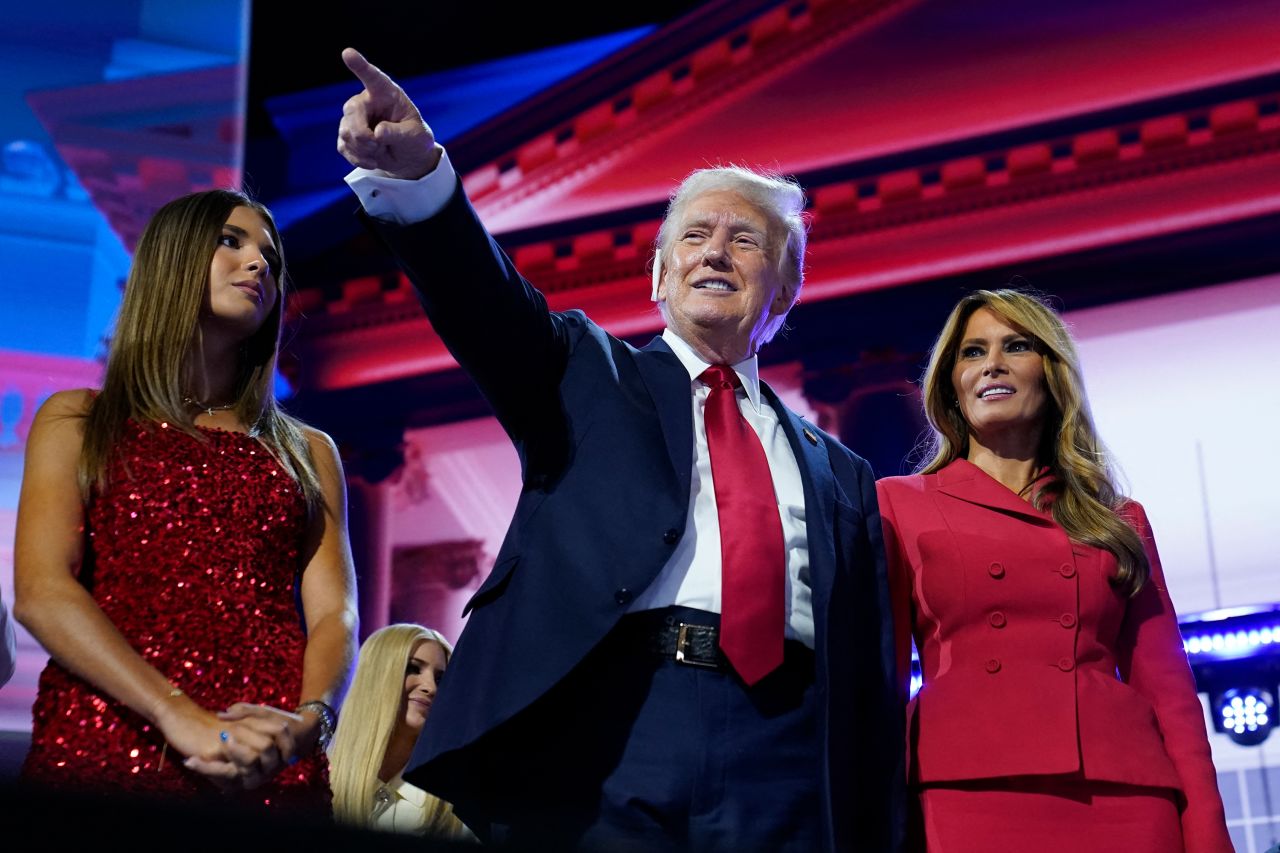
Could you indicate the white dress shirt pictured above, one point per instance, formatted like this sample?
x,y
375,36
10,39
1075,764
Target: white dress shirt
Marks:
x,y
691,577
398,807
403,808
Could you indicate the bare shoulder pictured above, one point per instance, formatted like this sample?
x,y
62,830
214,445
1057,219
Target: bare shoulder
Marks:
x,y
328,469
320,443
54,446
61,417
73,403
325,457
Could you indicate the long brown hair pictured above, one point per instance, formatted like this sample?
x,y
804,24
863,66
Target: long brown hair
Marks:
x,y
159,326
1082,493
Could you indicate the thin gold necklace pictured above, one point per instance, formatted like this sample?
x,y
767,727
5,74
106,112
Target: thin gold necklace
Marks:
x,y
208,409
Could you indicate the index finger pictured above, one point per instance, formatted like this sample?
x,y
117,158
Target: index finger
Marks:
x,y
240,710
373,77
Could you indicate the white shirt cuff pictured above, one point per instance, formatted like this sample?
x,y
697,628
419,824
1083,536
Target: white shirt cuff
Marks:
x,y
401,201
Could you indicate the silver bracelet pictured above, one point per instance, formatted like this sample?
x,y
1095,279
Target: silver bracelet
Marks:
x,y
328,719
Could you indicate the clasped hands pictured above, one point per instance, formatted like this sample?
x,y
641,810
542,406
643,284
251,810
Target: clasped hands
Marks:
x,y
241,747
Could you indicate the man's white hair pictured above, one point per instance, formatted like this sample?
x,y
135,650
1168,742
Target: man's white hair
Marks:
x,y
780,200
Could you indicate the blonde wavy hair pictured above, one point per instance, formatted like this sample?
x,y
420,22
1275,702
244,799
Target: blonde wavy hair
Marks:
x,y
370,713
1082,493
158,328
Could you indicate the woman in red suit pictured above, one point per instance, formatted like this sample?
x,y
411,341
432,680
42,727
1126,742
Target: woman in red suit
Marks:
x,y
1058,712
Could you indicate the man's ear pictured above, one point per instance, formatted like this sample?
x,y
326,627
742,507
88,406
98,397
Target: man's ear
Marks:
x,y
784,299
659,292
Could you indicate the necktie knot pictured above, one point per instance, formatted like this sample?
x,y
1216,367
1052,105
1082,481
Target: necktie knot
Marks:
x,y
720,376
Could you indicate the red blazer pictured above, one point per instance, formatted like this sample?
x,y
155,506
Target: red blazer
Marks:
x,y
1033,663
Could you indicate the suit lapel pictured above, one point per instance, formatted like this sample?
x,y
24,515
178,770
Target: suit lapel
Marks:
x,y
963,480
819,496
672,393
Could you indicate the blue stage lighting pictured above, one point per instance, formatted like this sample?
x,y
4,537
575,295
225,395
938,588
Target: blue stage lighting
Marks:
x,y
1232,643
1235,657
1246,714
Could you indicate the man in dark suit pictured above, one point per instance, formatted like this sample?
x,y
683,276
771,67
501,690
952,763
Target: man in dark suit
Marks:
x,y
685,641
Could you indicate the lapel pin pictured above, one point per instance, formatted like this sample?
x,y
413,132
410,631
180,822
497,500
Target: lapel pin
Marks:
x,y
813,439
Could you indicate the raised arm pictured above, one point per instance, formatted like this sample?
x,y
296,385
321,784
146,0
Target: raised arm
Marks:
x,y
494,322
59,612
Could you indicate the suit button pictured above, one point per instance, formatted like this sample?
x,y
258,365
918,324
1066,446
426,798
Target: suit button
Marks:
x,y
671,537
623,596
997,620
993,665
1066,664
1067,570
996,570
1068,620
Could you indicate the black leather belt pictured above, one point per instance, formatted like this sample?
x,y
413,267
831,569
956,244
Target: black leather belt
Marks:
x,y
693,645
670,633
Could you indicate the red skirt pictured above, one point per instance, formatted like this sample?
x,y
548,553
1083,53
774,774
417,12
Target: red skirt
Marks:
x,y
1047,815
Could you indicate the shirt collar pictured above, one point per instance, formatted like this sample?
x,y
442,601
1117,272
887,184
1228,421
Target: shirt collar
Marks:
x,y
405,791
748,369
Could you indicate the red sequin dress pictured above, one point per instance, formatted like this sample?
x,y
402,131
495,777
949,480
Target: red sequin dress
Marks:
x,y
193,552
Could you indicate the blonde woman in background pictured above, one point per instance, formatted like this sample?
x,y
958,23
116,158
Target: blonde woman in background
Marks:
x,y
396,680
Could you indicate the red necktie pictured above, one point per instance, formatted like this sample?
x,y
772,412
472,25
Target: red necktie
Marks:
x,y
752,553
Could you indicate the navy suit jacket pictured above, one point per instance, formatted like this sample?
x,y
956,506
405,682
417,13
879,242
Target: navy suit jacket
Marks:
x,y
604,432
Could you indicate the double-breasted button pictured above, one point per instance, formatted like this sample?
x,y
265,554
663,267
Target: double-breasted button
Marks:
x,y
996,619
1066,664
671,537
1067,570
996,570
623,596
1067,620
993,665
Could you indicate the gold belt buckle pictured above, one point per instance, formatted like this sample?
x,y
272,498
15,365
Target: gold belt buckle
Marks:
x,y
682,642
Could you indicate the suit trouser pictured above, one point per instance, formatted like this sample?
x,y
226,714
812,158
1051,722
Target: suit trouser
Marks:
x,y
644,753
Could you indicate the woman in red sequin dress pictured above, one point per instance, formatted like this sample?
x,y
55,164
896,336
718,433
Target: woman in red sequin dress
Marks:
x,y
181,546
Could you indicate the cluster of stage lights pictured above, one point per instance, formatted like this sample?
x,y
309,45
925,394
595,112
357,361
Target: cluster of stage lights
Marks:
x,y
1248,714
1235,655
